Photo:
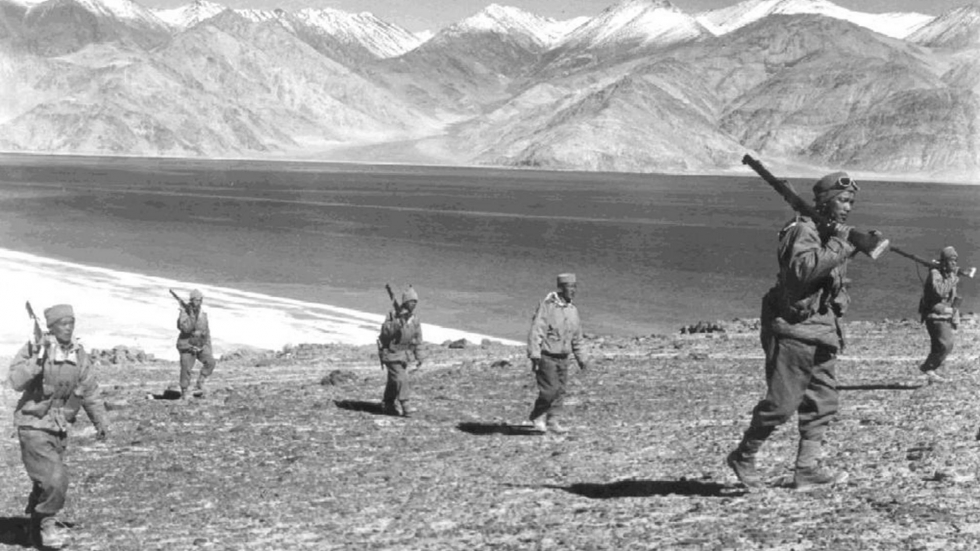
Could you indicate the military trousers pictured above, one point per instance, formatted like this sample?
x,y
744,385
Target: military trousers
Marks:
x,y
801,379
552,375
941,337
43,454
397,388
187,360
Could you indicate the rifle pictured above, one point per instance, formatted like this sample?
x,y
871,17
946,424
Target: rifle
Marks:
x,y
394,303
871,244
38,340
184,305
934,263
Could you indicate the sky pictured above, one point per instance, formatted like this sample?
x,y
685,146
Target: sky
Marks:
x,y
432,15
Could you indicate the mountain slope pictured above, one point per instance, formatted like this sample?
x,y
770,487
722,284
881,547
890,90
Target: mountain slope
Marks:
x,y
726,20
183,17
57,27
955,29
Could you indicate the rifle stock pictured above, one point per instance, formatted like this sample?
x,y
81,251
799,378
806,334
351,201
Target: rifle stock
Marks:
x,y
970,273
871,244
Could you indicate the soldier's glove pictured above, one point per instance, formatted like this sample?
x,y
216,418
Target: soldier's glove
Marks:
x,y
535,364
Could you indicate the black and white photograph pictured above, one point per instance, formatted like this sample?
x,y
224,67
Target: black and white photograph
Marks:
x,y
461,275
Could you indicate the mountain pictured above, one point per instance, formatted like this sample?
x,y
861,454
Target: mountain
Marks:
x,y
955,29
726,20
380,38
56,27
631,28
226,86
472,63
186,16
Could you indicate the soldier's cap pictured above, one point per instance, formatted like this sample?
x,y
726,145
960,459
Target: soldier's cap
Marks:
x,y
195,294
948,253
566,278
832,185
58,312
410,294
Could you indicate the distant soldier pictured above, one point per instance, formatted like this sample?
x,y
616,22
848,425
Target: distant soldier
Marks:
x,y
555,334
801,335
57,379
937,309
194,343
399,343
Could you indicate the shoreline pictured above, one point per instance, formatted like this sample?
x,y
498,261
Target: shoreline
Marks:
x,y
789,170
123,308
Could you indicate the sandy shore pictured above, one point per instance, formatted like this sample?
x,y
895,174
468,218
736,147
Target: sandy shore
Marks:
x,y
123,308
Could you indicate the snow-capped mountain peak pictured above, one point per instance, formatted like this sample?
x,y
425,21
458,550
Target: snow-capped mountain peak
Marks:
x,y
381,38
725,20
187,16
125,10
506,19
956,28
644,22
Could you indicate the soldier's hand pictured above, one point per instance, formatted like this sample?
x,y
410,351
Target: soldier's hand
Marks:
x,y
535,364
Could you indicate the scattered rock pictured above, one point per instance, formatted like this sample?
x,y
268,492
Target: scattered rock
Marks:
x,y
113,405
338,377
120,355
461,343
500,364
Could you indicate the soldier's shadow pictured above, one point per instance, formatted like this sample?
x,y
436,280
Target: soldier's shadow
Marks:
x,y
14,531
881,386
649,488
375,408
484,429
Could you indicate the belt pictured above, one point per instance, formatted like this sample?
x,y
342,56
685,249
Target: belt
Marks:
x,y
556,356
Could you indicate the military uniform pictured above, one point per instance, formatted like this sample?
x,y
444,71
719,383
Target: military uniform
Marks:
x,y
56,380
399,345
194,344
555,335
801,336
938,313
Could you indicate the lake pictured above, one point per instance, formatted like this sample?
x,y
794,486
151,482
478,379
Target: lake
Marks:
x,y
482,246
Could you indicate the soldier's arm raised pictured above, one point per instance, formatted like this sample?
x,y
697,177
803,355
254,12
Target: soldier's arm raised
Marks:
x,y
24,368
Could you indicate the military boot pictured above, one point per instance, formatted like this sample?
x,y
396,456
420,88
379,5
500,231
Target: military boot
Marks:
x,y
49,534
183,393
199,387
539,424
388,408
809,474
407,409
742,461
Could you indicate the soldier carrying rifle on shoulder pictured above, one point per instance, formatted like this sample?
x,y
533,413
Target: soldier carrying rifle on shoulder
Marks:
x,y
398,345
938,310
57,379
193,343
800,326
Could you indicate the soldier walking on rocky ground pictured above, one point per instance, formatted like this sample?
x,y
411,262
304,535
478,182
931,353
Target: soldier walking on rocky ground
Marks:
x,y
194,343
801,335
938,311
56,378
398,346
556,333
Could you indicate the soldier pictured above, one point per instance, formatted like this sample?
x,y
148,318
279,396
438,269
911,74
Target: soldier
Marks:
x,y
399,343
194,343
801,335
57,379
555,333
939,313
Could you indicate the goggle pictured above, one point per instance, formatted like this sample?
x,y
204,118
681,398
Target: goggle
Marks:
x,y
846,183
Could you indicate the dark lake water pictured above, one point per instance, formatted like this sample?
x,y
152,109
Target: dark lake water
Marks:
x,y
482,246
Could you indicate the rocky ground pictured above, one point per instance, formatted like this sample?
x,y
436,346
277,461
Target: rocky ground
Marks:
x,y
290,451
